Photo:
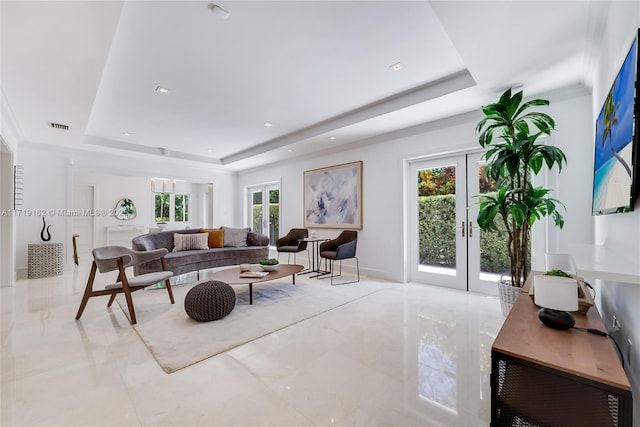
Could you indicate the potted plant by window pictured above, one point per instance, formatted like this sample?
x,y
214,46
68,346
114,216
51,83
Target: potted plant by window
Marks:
x,y
515,151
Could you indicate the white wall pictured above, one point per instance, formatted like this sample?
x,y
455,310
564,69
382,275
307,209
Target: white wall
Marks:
x,y
7,220
51,173
572,186
9,136
8,130
381,242
620,231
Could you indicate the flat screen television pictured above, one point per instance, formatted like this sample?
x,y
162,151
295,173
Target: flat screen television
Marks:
x,y
617,154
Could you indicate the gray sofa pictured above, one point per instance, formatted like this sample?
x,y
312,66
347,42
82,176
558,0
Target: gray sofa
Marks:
x,y
194,260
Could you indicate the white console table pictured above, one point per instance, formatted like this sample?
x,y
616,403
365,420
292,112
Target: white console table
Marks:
x,y
121,235
45,259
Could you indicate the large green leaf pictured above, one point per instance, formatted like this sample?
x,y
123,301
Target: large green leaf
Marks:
x,y
505,97
512,105
532,103
536,164
518,214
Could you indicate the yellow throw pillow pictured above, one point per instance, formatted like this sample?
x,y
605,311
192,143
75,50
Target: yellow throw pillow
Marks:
x,y
216,237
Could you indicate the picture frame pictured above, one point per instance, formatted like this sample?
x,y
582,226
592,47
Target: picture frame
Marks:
x,y
333,197
616,169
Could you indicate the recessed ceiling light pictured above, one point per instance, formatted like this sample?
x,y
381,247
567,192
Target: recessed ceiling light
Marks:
x,y
268,125
162,89
126,133
209,150
397,66
289,150
332,138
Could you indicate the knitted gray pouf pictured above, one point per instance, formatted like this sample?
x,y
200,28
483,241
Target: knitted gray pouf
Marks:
x,y
209,301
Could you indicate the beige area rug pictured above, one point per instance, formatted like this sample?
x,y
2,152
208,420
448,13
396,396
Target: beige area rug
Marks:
x,y
176,341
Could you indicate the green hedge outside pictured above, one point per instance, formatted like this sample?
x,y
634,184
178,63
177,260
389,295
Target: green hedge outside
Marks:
x,y
437,239
274,218
436,230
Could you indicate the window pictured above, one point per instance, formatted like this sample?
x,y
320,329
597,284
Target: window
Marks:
x,y
181,212
171,207
162,207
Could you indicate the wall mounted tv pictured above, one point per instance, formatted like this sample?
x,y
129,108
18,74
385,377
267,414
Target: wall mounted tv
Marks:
x,y
616,173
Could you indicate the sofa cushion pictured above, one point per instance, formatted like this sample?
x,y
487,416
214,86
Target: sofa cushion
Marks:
x,y
216,237
235,237
185,242
162,239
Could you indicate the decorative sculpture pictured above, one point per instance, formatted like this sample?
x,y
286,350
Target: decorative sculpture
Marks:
x,y
45,229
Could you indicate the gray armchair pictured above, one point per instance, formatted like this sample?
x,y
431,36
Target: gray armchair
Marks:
x,y
118,258
341,248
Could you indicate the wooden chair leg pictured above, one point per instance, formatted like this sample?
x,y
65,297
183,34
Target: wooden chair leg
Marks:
x,y
168,285
132,311
111,299
75,248
127,292
113,296
87,290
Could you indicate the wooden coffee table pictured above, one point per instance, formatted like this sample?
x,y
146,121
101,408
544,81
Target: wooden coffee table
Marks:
x,y
232,276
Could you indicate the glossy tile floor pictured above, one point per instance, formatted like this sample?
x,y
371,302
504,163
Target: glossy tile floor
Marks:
x,y
409,355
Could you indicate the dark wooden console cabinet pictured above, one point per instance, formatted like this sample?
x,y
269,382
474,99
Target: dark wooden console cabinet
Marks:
x,y
546,377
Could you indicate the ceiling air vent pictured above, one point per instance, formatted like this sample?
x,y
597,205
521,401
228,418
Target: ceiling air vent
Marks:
x,y
59,126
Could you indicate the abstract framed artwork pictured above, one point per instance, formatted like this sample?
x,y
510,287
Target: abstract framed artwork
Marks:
x,y
333,197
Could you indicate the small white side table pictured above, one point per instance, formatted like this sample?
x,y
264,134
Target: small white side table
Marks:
x,y
45,259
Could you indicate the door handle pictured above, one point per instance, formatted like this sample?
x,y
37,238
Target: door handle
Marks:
x,y
470,229
462,228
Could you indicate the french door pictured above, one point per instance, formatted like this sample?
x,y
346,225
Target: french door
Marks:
x,y
446,247
264,211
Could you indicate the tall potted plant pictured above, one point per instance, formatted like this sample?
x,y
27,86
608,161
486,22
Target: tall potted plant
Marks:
x,y
515,152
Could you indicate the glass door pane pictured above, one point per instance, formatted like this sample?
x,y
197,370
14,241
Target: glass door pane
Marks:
x,y
256,209
437,216
488,255
273,214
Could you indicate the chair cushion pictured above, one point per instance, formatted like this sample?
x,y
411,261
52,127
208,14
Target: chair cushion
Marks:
x,y
216,237
147,279
185,242
235,237
328,254
289,249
